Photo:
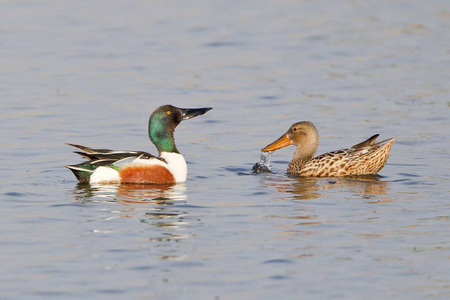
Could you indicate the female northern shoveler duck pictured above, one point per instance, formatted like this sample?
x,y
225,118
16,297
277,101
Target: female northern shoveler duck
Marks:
x,y
364,158
115,166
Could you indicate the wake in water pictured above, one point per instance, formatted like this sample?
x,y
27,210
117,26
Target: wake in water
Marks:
x,y
263,165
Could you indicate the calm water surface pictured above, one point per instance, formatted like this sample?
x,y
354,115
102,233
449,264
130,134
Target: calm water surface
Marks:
x,y
92,73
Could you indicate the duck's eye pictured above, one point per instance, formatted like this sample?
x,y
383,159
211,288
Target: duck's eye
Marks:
x,y
168,112
294,129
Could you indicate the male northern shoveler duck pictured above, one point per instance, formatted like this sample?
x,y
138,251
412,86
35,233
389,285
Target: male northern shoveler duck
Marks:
x,y
117,166
364,158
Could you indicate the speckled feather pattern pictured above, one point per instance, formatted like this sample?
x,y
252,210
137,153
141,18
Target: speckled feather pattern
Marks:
x,y
361,159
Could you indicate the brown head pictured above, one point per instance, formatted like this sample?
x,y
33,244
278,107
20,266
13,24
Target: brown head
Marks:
x,y
304,135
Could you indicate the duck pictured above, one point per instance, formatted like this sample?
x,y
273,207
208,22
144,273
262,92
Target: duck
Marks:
x,y
365,158
105,166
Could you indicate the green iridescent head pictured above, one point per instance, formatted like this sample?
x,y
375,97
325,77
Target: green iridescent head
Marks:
x,y
163,121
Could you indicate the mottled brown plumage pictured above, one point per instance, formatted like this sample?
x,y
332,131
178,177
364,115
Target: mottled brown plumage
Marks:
x,y
364,158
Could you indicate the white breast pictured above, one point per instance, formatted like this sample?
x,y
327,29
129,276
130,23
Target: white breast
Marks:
x,y
176,165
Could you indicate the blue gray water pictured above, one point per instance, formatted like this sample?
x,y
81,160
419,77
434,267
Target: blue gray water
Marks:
x,y
92,72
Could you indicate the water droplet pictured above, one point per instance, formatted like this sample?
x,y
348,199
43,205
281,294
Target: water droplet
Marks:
x,y
264,163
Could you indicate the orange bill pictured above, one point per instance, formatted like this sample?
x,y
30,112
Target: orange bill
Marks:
x,y
282,142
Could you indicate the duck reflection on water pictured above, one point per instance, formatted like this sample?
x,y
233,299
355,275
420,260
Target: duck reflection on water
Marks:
x,y
163,207
158,205
131,193
370,187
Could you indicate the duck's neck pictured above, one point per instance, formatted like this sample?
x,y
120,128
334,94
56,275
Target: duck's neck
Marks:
x,y
162,137
303,154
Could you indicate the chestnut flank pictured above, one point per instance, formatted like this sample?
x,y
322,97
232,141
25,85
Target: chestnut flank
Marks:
x,y
155,174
